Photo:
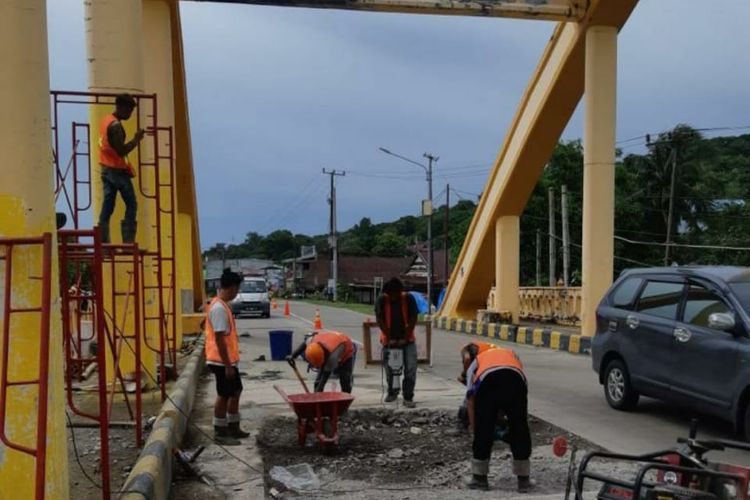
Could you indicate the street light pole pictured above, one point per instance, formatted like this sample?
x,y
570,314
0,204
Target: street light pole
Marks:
x,y
428,170
430,255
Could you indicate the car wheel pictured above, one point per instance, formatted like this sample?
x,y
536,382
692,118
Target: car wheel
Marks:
x,y
617,389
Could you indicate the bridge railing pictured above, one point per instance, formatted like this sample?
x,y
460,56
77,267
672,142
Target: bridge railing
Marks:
x,y
560,305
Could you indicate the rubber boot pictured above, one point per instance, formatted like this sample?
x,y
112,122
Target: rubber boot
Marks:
x,y
223,436
522,468
525,484
236,432
479,471
128,230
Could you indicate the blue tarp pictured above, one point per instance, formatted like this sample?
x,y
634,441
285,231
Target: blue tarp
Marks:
x,y
441,298
421,300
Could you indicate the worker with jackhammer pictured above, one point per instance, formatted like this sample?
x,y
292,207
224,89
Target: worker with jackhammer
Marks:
x,y
330,353
397,313
496,384
116,171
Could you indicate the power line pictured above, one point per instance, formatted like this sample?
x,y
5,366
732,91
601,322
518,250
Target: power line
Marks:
x,y
682,245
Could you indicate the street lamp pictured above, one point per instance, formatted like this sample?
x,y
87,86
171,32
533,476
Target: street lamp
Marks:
x,y
428,170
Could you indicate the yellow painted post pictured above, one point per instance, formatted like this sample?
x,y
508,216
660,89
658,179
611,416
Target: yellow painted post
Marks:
x,y
159,80
27,207
114,45
598,170
507,264
185,264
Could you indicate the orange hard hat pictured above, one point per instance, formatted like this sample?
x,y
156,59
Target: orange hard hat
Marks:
x,y
315,355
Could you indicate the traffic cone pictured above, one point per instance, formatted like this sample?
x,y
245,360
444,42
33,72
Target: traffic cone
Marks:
x,y
287,311
274,304
318,323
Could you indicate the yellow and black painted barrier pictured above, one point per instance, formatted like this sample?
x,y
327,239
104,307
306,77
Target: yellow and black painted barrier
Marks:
x,y
151,476
539,337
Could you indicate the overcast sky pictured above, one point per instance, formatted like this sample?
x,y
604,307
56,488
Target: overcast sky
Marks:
x,y
276,94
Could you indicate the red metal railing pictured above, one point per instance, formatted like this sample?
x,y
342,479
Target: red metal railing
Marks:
x,y
39,451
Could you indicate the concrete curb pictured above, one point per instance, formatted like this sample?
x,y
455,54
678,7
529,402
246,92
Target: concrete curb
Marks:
x,y
539,337
151,477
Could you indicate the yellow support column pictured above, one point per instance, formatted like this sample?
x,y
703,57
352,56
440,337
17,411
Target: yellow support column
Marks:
x,y
115,54
598,170
27,207
159,80
507,264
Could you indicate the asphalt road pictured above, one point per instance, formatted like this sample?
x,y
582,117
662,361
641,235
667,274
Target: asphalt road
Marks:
x,y
563,389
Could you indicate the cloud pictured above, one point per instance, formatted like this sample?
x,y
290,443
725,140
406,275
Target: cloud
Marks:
x,y
278,93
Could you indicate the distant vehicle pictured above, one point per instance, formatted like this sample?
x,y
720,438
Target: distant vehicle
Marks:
x,y
252,298
679,334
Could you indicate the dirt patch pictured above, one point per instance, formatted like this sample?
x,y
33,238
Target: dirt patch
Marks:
x,y
122,451
415,448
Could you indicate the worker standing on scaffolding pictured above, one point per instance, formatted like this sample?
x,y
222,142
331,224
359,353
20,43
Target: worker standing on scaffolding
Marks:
x,y
117,172
222,358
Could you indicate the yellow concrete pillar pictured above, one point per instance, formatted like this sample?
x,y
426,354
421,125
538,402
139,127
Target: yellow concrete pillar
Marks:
x,y
507,264
27,207
598,170
159,80
115,53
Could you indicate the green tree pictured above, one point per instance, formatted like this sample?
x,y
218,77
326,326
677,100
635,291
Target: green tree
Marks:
x,y
390,244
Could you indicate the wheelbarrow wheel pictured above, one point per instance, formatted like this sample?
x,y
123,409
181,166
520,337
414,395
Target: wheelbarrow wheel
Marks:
x,y
327,428
301,432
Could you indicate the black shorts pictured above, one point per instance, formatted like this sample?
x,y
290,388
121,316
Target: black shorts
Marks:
x,y
225,387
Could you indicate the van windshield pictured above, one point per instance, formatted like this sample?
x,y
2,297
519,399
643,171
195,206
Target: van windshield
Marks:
x,y
742,292
253,287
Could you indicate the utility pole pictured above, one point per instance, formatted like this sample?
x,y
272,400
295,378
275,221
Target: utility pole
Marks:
x,y
673,156
552,242
430,255
538,257
565,236
446,244
334,235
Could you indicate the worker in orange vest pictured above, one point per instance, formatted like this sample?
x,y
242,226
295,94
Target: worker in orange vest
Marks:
x,y
116,170
222,358
397,313
469,353
496,383
328,352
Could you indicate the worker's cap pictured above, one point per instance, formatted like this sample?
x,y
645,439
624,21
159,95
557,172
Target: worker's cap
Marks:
x,y
315,355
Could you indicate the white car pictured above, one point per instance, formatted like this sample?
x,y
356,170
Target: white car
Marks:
x,y
252,299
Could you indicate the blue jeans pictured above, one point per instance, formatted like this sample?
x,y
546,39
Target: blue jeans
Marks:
x,y
114,181
410,372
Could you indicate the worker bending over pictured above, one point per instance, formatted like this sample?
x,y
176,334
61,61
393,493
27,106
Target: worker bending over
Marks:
x,y
469,353
328,352
495,383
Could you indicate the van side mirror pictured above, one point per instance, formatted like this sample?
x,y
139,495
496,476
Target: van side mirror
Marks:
x,y
721,321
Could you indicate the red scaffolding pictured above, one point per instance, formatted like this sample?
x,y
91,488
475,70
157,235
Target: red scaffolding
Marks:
x,y
86,261
44,277
145,292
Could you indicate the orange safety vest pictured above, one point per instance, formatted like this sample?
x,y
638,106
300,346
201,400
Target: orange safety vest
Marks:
x,y
232,341
107,154
497,358
385,335
332,340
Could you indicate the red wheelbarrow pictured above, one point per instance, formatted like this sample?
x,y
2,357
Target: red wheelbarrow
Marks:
x,y
318,412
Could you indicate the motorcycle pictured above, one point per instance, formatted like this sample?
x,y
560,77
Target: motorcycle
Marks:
x,y
682,473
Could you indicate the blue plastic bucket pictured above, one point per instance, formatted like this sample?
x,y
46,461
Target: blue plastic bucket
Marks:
x,y
281,343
